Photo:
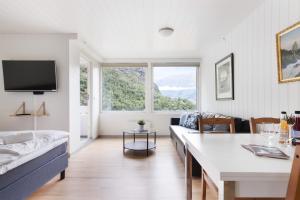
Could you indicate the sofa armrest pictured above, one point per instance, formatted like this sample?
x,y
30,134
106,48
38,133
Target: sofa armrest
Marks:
x,y
174,121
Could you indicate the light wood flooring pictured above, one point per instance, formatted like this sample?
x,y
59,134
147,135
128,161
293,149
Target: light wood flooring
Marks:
x,y
101,171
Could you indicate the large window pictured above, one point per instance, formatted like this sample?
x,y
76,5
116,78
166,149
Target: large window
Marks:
x,y
123,88
174,88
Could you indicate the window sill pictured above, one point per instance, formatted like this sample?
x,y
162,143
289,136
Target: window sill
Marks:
x,y
146,112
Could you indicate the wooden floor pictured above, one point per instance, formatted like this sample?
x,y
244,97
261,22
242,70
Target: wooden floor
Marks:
x,y
101,171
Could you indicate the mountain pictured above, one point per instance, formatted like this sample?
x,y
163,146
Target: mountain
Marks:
x,y
182,80
182,86
189,94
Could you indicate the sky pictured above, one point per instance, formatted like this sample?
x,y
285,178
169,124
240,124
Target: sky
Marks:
x,y
288,39
162,72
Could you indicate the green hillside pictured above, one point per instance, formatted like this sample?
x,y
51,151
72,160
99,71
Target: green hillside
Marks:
x,y
124,89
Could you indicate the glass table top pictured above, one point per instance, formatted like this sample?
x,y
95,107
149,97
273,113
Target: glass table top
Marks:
x,y
137,131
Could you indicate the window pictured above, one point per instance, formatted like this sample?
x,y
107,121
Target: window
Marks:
x,y
123,88
175,88
84,94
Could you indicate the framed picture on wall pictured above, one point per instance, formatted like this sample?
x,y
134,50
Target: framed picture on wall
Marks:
x,y
288,54
224,78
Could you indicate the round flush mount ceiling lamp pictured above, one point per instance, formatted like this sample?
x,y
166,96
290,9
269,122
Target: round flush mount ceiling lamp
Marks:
x,y
166,31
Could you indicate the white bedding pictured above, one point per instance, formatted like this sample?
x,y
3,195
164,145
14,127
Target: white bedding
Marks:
x,y
14,155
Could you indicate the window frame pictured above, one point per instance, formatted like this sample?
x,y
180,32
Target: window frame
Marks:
x,y
177,64
149,89
118,65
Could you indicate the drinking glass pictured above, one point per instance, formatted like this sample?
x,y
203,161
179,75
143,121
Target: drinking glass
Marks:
x,y
272,134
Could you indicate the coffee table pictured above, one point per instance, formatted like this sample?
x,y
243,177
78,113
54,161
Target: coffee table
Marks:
x,y
144,145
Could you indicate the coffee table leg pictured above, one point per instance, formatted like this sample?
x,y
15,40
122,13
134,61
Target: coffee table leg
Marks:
x,y
134,137
147,144
123,142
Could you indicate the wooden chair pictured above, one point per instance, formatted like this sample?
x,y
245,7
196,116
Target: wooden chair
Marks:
x,y
216,121
264,120
293,191
206,181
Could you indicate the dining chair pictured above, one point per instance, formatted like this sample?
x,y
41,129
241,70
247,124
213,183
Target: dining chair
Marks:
x,y
264,120
216,121
293,191
206,181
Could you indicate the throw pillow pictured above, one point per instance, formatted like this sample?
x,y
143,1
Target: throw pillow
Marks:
x,y
192,121
183,118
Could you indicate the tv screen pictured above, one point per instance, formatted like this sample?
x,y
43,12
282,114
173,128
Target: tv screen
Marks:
x,y
29,75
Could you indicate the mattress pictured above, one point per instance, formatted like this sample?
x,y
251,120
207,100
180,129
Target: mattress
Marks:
x,y
14,155
30,166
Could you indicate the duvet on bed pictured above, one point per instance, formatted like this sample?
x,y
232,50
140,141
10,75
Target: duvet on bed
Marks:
x,y
14,155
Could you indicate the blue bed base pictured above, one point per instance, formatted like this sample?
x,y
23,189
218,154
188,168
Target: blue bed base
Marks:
x,y
27,183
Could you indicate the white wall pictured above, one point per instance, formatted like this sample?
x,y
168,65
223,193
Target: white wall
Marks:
x,y
113,123
257,92
59,104
74,94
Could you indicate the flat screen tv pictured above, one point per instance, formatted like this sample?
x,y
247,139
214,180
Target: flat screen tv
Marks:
x,y
29,75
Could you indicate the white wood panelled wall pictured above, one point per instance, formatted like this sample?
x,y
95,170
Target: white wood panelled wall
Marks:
x,y
253,42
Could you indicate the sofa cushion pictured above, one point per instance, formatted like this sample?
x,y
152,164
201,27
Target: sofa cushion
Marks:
x,y
174,121
192,121
241,125
183,118
207,127
221,128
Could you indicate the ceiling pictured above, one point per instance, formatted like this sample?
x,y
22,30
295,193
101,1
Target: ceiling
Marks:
x,y
129,28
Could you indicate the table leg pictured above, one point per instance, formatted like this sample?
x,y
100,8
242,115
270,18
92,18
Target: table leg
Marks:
x,y
228,191
134,137
123,142
147,144
155,138
203,186
188,171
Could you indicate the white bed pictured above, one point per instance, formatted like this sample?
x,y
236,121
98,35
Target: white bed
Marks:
x,y
14,155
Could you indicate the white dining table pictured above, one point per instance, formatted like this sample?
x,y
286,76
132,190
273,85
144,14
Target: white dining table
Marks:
x,y
237,172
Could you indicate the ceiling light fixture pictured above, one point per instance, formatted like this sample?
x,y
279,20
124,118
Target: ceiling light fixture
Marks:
x,y
166,31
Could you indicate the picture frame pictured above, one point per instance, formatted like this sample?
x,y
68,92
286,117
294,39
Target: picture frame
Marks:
x,y
224,78
288,54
